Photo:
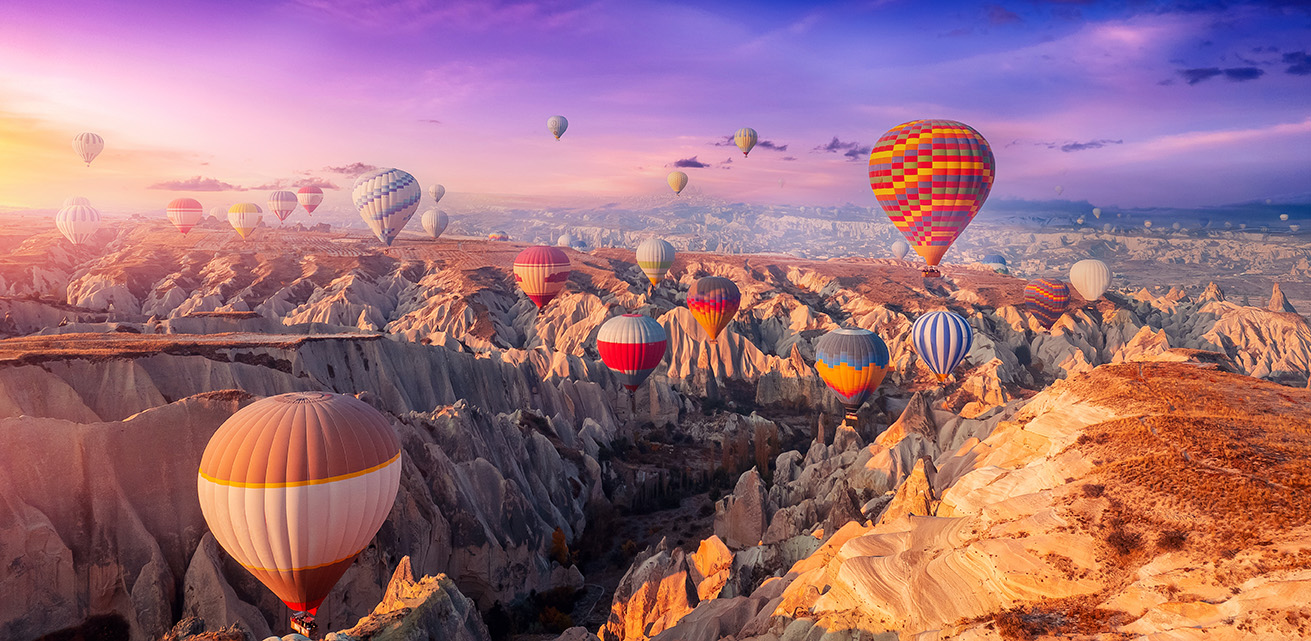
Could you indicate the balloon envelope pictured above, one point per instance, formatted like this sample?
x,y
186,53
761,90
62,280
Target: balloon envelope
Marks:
x,y
1091,278
309,198
942,339
556,125
282,203
900,248
655,256
88,146
436,191
434,222
930,177
218,211
184,213
541,272
498,236
677,181
745,139
78,223
852,363
632,345
713,301
386,198
1046,299
245,217
294,486
565,240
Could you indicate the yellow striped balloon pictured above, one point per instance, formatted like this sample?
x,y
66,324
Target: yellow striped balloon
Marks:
x,y
245,217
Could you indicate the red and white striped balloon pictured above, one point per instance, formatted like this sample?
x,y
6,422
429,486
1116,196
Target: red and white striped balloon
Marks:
x,y
309,198
632,345
541,271
184,213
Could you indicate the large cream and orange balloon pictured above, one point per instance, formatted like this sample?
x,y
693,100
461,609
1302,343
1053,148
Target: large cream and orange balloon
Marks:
x,y
294,486
930,178
184,213
542,272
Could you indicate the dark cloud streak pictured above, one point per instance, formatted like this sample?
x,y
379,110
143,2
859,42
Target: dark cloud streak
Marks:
x,y
196,183
690,163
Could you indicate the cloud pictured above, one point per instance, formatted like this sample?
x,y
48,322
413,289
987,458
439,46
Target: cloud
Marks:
x,y
1239,74
789,158
851,150
1080,146
1299,63
321,183
353,169
692,163
727,141
196,183
1194,76
998,14
430,121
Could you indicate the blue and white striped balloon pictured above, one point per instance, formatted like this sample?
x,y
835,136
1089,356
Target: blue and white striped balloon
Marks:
x,y
387,199
942,339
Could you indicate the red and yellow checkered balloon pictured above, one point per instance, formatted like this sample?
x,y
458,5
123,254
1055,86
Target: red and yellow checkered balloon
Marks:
x,y
930,178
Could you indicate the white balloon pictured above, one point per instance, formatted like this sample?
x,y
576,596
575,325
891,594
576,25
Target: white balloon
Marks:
x,y
1091,277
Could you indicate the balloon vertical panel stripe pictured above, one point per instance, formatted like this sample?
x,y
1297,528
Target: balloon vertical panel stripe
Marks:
x,y
942,339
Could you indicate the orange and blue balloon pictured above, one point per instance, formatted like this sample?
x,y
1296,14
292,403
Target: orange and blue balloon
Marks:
x,y
1046,299
632,345
852,363
930,178
713,301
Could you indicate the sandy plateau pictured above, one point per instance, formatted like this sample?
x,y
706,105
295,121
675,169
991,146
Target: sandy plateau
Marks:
x,y
1138,471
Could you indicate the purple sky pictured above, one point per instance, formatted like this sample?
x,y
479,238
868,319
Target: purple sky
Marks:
x,y
1131,103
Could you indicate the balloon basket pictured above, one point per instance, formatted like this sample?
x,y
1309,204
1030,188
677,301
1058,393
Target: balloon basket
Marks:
x,y
930,272
303,623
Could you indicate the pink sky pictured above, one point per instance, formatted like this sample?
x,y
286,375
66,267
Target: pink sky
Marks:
x,y
1138,107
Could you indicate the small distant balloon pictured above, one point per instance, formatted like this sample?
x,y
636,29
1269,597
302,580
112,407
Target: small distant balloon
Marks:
x,y
565,240
900,248
1097,212
1079,220
245,217
1269,201
88,146
434,222
1059,190
309,198
498,236
1106,227
1283,217
436,191
677,181
745,139
1147,224
1294,228
1176,226
282,203
219,212
556,125
184,213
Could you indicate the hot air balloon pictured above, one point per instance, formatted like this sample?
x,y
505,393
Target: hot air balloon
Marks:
x,y
245,217
900,248
1091,278
498,236
1176,226
1106,227
852,363
434,222
76,200
309,198
436,191
632,345
556,125
1046,299
184,213
78,223
1283,217
1147,224
565,240
930,177
1059,190
1079,220
294,486
219,212
655,256
282,203
713,301
745,139
1294,228
88,146
386,198
677,180
942,339
541,271
1097,212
